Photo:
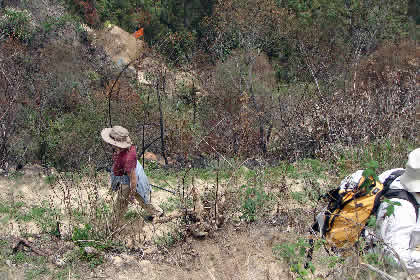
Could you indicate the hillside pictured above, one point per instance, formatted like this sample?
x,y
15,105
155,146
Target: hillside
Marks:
x,y
231,253
246,111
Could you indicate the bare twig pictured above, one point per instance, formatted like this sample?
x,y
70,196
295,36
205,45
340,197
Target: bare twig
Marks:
x,y
213,128
310,69
217,190
392,250
211,274
25,243
236,169
120,229
168,219
96,241
113,85
380,272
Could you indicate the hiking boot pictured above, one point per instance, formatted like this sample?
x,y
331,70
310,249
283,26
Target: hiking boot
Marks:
x,y
149,218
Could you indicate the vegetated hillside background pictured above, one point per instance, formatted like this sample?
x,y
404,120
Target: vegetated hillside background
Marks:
x,y
301,92
273,80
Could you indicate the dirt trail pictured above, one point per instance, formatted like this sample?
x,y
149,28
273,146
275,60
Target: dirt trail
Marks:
x,y
230,253
234,254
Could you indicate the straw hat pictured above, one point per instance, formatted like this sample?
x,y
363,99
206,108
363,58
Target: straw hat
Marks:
x,y
116,136
411,177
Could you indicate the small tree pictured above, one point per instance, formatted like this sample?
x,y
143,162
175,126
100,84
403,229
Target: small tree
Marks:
x,y
251,26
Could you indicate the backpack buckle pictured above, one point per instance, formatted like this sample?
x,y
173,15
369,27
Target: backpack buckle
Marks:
x,y
375,191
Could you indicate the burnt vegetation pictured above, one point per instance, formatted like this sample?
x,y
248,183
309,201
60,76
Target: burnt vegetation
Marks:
x,y
263,79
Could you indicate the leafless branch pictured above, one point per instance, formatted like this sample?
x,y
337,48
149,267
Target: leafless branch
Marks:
x,y
380,272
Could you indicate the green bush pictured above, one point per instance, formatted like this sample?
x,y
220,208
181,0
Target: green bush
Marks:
x,y
16,24
295,256
253,201
178,47
119,12
70,139
167,240
83,234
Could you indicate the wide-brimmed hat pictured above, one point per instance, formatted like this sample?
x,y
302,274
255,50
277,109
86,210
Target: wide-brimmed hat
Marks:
x,y
411,177
116,136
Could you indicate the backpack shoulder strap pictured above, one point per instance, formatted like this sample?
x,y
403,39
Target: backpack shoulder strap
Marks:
x,y
400,193
391,178
405,195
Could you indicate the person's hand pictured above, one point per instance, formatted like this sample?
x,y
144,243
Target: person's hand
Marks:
x,y
131,195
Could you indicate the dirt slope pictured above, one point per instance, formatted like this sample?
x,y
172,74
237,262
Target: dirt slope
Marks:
x,y
231,255
242,252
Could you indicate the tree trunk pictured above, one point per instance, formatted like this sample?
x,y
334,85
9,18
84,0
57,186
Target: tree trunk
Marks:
x,y
194,101
162,130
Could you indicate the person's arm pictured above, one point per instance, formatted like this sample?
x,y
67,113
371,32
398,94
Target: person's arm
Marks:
x,y
384,175
351,181
130,169
396,231
133,183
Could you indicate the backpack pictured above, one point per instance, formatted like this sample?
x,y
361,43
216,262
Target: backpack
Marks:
x,y
348,212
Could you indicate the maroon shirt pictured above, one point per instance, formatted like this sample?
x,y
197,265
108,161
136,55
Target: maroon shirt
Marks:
x,y
124,161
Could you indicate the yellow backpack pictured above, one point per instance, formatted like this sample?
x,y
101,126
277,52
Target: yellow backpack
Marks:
x,y
346,222
348,211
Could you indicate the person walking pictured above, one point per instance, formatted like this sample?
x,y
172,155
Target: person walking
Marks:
x,y
127,175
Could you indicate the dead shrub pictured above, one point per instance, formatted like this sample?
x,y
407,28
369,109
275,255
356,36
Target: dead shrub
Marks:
x,y
378,104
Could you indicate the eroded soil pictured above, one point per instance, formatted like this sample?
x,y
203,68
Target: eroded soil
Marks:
x,y
232,252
